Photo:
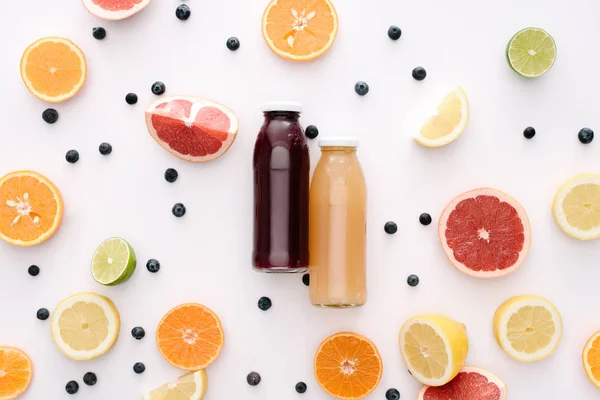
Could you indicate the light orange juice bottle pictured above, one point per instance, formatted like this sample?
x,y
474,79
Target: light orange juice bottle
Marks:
x,y
337,227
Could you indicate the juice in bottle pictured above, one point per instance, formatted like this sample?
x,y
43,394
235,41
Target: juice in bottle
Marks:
x,y
338,227
281,187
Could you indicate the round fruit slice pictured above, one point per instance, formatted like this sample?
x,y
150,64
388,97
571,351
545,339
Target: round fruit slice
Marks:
x,y
85,326
31,208
300,30
190,337
115,9
531,52
191,386
113,262
449,123
576,207
591,359
527,328
348,366
191,128
485,233
15,372
53,69
470,384
434,348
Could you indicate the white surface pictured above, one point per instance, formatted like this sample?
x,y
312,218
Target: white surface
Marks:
x,y
205,256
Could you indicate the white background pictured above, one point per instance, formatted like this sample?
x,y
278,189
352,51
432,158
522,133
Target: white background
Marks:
x,y
205,256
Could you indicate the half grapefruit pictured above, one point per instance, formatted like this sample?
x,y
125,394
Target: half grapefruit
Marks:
x,y
191,128
485,233
471,383
115,9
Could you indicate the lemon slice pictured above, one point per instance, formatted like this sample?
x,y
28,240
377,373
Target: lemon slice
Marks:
x,y
576,207
527,328
85,326
434,348
191,386
449,123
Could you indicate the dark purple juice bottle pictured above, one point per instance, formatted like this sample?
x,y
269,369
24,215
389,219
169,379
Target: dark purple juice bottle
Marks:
x,y
281,187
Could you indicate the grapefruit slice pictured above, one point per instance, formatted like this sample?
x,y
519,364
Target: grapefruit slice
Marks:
x,y
191,128
471,383
485,233
115,9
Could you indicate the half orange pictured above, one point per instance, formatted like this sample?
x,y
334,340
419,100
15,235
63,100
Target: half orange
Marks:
x,y
348,366
591,359
31,208
15,372
300,30
190,337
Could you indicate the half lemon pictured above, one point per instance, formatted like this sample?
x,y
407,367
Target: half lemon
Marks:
x,y
576,207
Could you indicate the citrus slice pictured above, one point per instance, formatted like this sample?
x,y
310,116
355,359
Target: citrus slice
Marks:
x,y
485,233
85,326
191,128
53,69
113,262
115,9
348,366
434,348
300,30
576,207
31,208
471,383
591,359
527,328
190,386
15,372
190,337
531,52
449,122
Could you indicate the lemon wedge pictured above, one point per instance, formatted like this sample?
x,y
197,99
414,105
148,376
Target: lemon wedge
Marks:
x,y
191,386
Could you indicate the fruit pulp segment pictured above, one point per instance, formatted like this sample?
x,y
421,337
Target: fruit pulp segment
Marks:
x,y
582,206
84,326
593,359
465,386
448,117
53,68
426,351
15,372
116,5
530,329
532,52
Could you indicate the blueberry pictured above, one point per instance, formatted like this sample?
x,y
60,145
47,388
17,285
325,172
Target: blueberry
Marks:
x,y
171,175
301,387
183,12
392,394
99,33
72,156
153,265
390,227
306,279
105,148
43,314
264,303
253,378
33,270
233,43
311,132
158,88
178,210
131,98
412,280
90,379
138,332
139,368
425,219
586,135
50,115
394,32
72,387
419,73
529,132
361,88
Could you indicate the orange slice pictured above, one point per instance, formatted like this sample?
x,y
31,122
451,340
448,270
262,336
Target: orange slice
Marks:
x,y
15,372
348,366
53,69
31,208
591,359
190,337
300,30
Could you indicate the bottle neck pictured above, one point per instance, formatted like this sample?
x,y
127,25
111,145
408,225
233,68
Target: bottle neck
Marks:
x,y
338,149
288,115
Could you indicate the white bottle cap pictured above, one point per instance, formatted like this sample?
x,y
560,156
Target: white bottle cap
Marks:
x,y
282,106
344,141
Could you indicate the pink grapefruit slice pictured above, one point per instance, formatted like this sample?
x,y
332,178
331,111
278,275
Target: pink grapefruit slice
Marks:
x,y
115,9
192,128
485,233
471,383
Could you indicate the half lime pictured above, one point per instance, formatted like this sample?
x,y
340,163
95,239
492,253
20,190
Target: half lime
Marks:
x,y
113,262
531,52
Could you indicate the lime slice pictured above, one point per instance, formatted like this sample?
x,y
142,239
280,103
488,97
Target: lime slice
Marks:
x,y
531,52
114,262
